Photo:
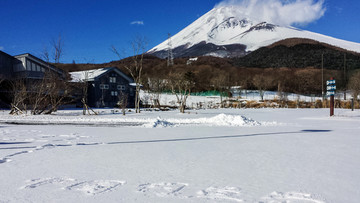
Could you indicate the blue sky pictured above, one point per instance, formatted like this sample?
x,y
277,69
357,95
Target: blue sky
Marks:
x,y
89,27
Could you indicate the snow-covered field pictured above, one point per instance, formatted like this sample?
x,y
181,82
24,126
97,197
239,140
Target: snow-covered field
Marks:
x,y
223,155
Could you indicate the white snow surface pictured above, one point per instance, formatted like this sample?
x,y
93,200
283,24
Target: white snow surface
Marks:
x,y
214,155
222,26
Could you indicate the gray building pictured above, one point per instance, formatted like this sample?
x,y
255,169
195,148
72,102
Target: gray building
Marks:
x,y
26,67
29,66
6,65
106,86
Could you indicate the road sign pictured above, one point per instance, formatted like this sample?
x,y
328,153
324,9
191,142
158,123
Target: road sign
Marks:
x,y
330,93
330,82
331,88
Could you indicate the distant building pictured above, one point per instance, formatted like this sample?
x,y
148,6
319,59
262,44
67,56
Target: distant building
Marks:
x,y
29,66
26,67
191,60
106,86
6,65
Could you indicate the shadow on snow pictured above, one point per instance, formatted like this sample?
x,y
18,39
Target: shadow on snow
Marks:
x,y
218,137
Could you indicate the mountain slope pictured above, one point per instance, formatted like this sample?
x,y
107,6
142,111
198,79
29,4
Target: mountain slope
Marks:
x,y
214,32
300,53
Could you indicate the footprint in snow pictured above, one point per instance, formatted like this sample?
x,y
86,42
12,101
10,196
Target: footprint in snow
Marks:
x,y
34,183
96,187
221,194
88,187
162,189
290,197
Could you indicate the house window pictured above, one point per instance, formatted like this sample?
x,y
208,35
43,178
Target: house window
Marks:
x,y
104,86
121,87
33,66
114,93
38,68
28,65
112,79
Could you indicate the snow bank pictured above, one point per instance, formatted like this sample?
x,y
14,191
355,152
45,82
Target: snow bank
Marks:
x,y
226,120
144,120
218,120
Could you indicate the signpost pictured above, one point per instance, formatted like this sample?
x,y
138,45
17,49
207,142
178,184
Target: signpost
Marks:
x,y
331,87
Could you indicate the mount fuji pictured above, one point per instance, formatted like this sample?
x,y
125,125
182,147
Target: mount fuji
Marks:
x,y
222,33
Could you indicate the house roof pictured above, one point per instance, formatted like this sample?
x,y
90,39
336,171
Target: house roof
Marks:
x,y
3,53
91,75
39,61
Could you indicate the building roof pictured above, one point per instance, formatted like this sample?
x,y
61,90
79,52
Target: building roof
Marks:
x,y
40,61
3,53
91,75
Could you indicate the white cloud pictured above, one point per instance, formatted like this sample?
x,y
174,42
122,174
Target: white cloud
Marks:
x,y
281,12
137,22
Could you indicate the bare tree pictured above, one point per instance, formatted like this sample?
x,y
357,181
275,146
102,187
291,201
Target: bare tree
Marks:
x,y
82,86
220,82
262,83
156,87
19,96
283,78
57,45
52,90
306,81
28,93
135,70
58,91
123,102
45,54
354,84
38,96
181,85
85,86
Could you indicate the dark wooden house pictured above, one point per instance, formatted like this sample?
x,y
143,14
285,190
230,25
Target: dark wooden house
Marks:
x,y
106,87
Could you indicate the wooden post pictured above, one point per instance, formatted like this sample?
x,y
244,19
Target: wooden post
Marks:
x,y
332,103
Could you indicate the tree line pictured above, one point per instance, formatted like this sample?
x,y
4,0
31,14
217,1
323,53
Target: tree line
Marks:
x,y
219,74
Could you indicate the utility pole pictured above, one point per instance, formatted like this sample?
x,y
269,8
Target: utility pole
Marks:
x,y
170,57
345,76
322,76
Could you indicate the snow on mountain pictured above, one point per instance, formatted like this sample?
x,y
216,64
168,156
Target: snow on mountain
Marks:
x,y
222,26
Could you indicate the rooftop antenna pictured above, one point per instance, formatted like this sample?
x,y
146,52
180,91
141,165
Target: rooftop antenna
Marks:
x,y
170,57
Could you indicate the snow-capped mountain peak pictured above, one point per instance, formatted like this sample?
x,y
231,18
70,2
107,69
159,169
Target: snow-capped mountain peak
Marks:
x,y
225,26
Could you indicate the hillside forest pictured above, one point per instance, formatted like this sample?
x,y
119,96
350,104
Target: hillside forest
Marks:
x,y
287,66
